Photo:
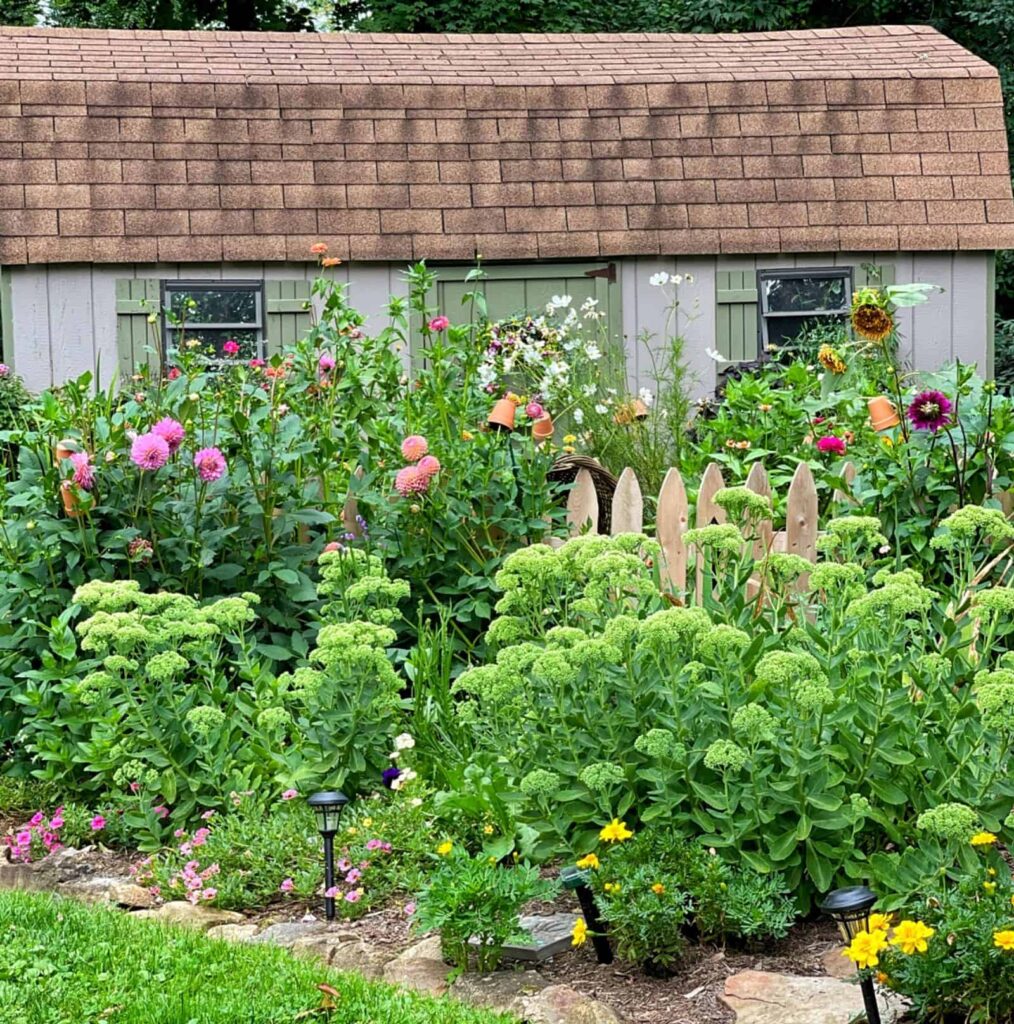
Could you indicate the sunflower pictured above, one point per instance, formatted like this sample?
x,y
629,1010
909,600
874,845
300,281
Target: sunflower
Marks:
x,y
831,360
872,322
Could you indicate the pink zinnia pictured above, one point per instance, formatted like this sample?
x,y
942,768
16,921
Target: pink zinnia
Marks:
x,y
256,364
287,885
149,451
231,347
171,431
290,794
210,463
414,447
97,823
429,464
835,445
439,323
326,362
411,480
534,411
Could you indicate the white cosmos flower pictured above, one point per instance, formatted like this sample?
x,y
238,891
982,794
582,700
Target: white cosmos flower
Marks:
x,y
601,409
404,741
592,351
589,304
589,390
560,301
713,353
659,279
646,396
578,417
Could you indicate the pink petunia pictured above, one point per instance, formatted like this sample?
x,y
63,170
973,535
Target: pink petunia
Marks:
x,y
429,464
414,447
209,894
353,876
439,323
231,347
409,909
353,896
37,818
149,451
171,431
98,823
210,463
84,471
411,480
207,815
290,794
330,894
287,885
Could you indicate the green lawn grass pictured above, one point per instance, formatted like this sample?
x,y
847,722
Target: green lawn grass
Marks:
x,y
64,963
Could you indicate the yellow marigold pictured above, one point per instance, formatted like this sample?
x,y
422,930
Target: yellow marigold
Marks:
x,y
580,933
616,832
990,887
569,438
983,839
612,887
829,358
488,830
872,322
863,950
467,435
445,848
1004,940
878,923
658,888
912,937
589,861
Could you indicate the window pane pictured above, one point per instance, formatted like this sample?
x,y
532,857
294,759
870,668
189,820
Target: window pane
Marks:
x,y
214,305
789,294
212,342
784,329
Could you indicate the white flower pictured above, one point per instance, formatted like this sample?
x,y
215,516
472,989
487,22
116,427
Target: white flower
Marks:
x,y
592,351
560,301
404,742
712,353
677,279
588,390
416,801
659,279
578,417
589,304
646,396
601,409
394,755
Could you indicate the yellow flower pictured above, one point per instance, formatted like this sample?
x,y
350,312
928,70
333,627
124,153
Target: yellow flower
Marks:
x,y
353,831
367,823
569,449
983,839
591,861
467,435
658,888
887,442
829,358
912,937
990,887
616,832
1012,901
879,923
445,848
569,438
882,979
580,934
488,830
1004,940
612,887
991,872
863,949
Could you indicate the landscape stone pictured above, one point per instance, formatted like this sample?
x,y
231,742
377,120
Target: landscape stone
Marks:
x,y
288,932
60,867
189,915
837,965
559,1004
358,956
420,967
551,934
233,932
760,997
502,990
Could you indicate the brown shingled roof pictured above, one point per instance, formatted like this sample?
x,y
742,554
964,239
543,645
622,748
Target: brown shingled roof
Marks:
x,y
144,146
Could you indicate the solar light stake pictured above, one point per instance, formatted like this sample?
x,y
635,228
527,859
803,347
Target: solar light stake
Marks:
x,y
850,910
328,807
576,879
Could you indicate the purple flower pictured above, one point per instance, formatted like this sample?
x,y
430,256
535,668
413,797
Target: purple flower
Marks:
x,y
290,794
330,894
930,410
388,775
149,451
353,876
171,431
210,463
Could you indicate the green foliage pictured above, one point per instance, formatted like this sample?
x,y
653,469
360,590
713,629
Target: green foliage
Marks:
x,y
476,897
61,961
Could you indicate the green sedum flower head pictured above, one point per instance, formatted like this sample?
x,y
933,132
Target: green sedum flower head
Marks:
x,y
661,745
952,821
540,783
755,722
601,775
725,756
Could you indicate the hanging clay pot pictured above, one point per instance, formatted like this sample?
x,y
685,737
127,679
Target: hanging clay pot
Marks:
x,y
64,450
542,428
501,416
635,409
883,414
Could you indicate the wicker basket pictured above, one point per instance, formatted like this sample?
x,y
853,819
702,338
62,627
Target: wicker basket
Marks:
x,y
565,470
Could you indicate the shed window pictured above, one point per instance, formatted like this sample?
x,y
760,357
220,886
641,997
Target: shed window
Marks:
x,y
792,299
213,313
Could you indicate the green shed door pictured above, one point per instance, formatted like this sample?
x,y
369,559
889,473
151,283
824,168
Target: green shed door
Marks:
x,y
287,313
736,328
526,288
137,338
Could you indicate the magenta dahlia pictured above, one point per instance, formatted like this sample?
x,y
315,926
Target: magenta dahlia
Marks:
x,y
210,464
171,430
930,410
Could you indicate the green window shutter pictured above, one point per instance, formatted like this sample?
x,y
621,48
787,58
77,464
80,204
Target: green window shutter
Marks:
x,y
525,288
736,333
286,312
137,340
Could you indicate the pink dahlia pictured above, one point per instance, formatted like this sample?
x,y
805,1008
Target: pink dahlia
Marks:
x,y
326,362
171,431
210,463
414,447
835,445
231,347
534,411
439,323
84,471
149,451
930,410
429,464
411,480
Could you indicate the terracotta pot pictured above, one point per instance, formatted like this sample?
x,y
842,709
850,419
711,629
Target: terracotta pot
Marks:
x,y
501,416
69,499
64,450
883,414
542,428
635,409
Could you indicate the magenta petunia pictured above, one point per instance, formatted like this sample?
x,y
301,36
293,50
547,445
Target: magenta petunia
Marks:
x,y
98,823
930,410
830,443
149,451
171,431
414,447
210,463
84,471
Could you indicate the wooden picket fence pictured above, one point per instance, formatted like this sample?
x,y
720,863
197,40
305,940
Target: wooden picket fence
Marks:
x,y
673,515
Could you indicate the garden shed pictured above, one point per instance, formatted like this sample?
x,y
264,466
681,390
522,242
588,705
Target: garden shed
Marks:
x,y
774,172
